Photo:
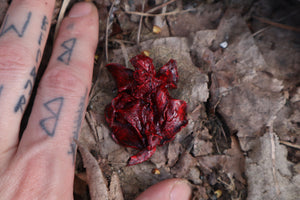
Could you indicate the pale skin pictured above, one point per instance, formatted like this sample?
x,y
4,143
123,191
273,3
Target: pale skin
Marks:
x,y
41,164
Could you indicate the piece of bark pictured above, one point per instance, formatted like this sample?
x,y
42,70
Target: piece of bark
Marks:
x,y
95,179
115,191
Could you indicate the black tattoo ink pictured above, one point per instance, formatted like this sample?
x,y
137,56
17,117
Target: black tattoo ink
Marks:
x,y
44,23
38,55
40,39
65,57
80,113
54,107
28,83
1,88
6,28
33,73
20,105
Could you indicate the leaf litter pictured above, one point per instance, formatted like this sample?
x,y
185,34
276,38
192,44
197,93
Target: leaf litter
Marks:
x,y
234,98
243,136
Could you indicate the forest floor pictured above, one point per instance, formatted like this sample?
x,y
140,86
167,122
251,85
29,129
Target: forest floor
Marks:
x,y
239,72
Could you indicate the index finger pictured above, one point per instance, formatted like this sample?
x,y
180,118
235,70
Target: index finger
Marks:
x,y
22,39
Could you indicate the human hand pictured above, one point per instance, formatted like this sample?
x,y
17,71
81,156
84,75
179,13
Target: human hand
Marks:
x,y
41,164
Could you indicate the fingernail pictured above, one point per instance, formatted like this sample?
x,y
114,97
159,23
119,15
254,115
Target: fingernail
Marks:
x,y
80,9
181,191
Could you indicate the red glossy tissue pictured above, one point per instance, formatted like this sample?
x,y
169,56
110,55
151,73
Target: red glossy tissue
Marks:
x,y
143,114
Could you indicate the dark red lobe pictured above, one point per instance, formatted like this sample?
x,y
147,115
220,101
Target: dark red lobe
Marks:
x,y
143,115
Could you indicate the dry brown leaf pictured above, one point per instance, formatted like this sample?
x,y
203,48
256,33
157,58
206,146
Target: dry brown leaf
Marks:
x,y
249,97
205,18
268,171
184,165
202,148
235,161
115,191
232,163
97,183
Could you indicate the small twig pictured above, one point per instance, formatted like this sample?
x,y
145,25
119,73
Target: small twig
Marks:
x,y
160,6
93,92
274,164
95,179
279,20
107,28
289,144
140,24
283,26
123,41
161,14
260,31
217,146
62,12
90,121
124,51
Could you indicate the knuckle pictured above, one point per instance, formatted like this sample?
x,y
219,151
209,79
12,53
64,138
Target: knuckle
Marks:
x,y
14,59
63,80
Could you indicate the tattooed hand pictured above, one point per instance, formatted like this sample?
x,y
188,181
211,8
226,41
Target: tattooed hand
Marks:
x,y
40,165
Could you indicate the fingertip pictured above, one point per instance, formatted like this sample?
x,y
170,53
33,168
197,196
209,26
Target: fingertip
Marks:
x,y
181,190
171,189
81,9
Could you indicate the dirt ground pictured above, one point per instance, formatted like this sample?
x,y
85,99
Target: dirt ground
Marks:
x,y
239,72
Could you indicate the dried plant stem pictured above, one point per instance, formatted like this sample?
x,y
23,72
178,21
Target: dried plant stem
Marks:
x,y
283,26
269,26
161,14
107,28
124,51
95,179
61,15
274,164
289,144
140,24
160,6
91,123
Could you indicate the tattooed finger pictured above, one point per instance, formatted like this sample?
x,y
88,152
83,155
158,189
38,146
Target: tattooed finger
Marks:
x,y
23,36
61,98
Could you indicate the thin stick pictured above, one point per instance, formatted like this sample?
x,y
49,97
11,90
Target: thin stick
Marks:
x,y
62,12
161,14
289,144
107,27
160,6
124,52
123,41
260,31
283,26
269,26
90,121
140,24
273,155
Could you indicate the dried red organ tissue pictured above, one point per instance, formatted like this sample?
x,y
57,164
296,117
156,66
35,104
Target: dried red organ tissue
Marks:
x,y
143,114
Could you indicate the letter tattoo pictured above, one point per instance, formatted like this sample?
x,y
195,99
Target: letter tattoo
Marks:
x,y
33,73
54,107
29,84
1,88
6,28
68,45
38,55
44,23
40,39
21,103
78,120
